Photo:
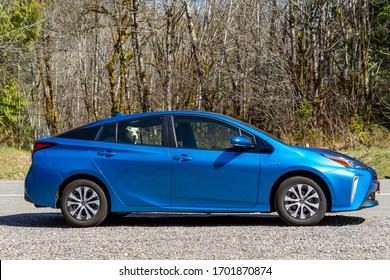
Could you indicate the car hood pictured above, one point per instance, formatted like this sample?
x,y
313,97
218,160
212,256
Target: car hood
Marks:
x,y
337,154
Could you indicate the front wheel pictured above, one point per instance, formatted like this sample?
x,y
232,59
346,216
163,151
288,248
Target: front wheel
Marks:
x,y
84,204
300,201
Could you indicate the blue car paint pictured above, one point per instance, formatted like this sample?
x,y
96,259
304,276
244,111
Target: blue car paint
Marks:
x,y
140,175
148,178
214,179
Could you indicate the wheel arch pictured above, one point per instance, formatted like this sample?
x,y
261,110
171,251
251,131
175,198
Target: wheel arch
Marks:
x,y
83,177
302,173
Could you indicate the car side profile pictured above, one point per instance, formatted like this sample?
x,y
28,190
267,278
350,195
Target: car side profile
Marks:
x,y
187,161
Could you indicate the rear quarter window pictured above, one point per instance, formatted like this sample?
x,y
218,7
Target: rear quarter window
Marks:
x,y
82,133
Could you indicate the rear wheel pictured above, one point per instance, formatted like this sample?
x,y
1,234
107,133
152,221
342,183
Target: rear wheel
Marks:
x,y
300,201
84,204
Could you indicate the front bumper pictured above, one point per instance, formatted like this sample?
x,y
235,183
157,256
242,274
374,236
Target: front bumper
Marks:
x,y
353,189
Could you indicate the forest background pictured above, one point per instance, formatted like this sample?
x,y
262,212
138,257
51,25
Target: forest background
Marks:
x,y
309,72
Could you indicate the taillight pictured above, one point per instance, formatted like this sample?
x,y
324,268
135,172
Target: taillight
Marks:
x,y
42,145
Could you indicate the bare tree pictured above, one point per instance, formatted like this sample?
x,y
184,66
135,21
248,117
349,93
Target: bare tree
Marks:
x,y
202,94
296,68
44,55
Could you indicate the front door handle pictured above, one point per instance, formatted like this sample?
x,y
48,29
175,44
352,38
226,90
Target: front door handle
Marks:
x,y
182,158
106,154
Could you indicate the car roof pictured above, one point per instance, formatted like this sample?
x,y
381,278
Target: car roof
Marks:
x,y
121,117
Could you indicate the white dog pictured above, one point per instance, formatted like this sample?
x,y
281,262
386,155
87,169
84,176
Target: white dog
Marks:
x,y
133,134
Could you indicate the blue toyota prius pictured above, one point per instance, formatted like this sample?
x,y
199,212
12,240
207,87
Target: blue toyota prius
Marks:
x,y
189,161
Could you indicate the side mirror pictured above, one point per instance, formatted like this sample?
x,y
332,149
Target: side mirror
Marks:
x,y
240,142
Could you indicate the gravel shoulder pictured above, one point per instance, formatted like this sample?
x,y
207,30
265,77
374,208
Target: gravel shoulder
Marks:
x,y
47,236
43,234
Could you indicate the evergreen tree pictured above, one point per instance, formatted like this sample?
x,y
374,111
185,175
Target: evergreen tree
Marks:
x,y
18,29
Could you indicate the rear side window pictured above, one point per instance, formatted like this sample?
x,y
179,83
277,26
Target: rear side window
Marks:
x,y
146,131
82,133
107,133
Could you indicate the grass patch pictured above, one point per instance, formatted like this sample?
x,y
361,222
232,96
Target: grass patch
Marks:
x,y
377,158
14,163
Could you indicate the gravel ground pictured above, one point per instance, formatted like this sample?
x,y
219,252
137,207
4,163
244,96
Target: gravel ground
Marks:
x,y
47,236
28,233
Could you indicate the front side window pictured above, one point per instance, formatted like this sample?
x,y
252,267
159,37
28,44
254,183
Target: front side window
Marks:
x,y
203,133
146,131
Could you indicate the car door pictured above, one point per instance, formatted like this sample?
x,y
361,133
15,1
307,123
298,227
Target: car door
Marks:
x,y
131,157
206,171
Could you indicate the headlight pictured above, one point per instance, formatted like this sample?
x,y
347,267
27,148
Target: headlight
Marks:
x,y
349,163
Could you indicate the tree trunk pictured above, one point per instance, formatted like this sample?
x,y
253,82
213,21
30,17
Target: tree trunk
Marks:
x,y
45,72
142,83
202,96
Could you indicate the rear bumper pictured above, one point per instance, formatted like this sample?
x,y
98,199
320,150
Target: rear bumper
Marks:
x,y
27,198
41,190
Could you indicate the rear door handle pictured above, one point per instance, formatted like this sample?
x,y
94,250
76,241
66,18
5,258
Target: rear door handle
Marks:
x,y
106,154
182,158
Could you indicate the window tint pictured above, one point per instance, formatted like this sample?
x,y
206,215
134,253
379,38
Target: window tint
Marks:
x,y
203,133
82,133
264,147
142,131
107,133
249,136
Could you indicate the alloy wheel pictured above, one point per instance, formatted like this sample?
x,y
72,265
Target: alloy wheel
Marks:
x,y
301,201
83,203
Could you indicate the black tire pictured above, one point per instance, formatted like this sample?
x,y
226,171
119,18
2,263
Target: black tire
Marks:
x,y
84,204
300,201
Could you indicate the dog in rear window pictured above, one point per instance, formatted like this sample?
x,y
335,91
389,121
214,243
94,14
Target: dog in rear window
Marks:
x,y
133,134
